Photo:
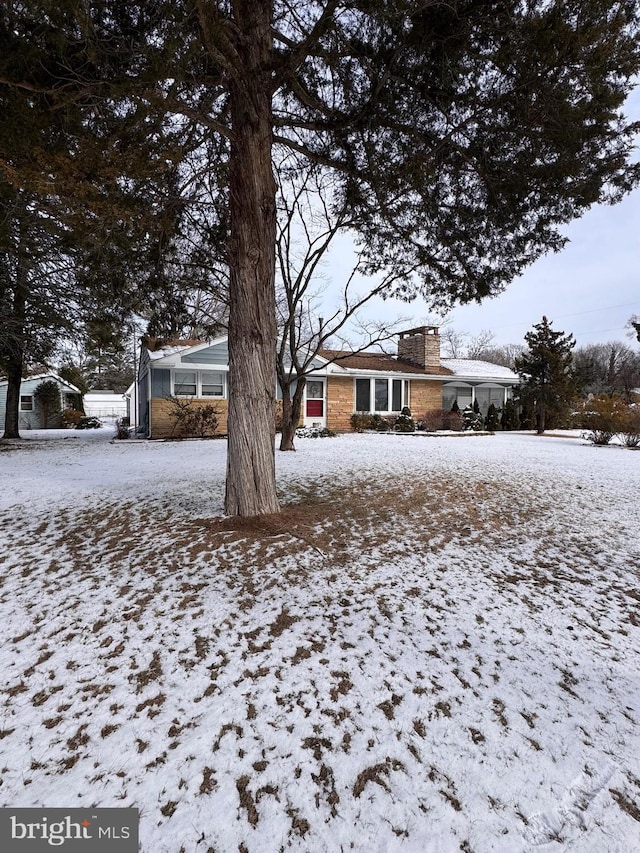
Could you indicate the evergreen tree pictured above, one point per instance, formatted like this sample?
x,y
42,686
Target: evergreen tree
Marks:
x,y
461,135
510,418
547,383
404,421
47,398
471,420
492,421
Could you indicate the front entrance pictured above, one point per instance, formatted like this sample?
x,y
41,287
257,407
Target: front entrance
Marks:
x,y
314,413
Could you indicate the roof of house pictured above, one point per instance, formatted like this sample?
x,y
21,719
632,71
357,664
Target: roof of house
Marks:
x,y
374,362
379,362
158,348
474,369
43,376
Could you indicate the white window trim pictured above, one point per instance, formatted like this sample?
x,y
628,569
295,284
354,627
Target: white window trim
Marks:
x,y
405,393
198,374
30,396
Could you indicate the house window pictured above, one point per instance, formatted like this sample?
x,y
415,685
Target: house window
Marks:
x,y
26,403
315,389
212,384
382,395
388,395
396,403
487,396
184,383
363,395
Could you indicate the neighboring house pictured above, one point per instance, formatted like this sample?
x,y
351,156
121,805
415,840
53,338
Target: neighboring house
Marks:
x,y
29,414
104,404
341,383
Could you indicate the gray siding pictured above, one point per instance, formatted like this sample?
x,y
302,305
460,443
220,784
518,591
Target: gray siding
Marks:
x,y
218,355
29,420
160,383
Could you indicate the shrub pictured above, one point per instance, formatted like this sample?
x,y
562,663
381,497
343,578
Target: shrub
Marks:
x,y
433,420
360,421
606,416
71,417
315,432
526,418
471,420
630,437
89,423
441,419
191,419
404,421
122,428
380,423
492,421
510,418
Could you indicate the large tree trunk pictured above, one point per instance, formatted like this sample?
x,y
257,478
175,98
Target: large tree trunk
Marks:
x,y
251,482
11,415
13,356
291,411
541,416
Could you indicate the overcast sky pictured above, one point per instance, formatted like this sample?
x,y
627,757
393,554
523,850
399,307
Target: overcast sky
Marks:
x,y
591,288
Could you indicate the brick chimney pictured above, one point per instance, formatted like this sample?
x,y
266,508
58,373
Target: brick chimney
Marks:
x,y
420,346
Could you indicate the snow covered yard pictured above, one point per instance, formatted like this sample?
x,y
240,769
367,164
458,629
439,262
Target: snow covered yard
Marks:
x,y
434,648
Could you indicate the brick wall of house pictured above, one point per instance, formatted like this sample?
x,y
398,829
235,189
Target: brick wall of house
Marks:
x,y
162,423
424,396
340,402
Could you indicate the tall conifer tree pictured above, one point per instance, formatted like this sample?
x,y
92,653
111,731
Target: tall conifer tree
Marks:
x,y
460,135
545,373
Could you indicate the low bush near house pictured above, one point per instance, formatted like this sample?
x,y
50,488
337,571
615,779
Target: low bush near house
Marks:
x,y
360,421
510,418
191,419
89,423
441,419
315,432
71,417
492,421
404,421
472,420
122,428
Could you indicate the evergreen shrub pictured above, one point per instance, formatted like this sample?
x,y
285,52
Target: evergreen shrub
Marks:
x,y
404,421
89,423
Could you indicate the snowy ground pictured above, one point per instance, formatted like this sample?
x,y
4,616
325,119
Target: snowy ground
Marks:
x,y
434,648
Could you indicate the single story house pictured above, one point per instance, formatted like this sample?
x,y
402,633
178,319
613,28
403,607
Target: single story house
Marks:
x,y
340,384
30,415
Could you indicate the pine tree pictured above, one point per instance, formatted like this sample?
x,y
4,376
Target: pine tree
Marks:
x,y
404,421
547,383
492,421
510,418
461,135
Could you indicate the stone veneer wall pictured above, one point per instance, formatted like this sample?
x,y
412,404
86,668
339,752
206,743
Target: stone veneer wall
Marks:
x,y
340,402
424,396
162,423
